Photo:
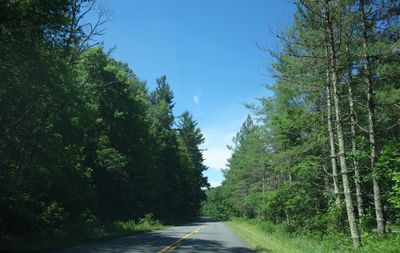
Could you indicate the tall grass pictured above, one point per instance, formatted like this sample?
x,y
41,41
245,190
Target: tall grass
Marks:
x,y
266,237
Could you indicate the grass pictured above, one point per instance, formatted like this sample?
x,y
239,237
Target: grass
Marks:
x,y
77,234
265,237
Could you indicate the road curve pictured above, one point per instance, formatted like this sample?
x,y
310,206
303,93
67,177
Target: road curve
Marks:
x,y
202,236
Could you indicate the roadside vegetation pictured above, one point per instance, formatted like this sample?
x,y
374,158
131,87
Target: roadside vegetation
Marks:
x,y
87,150
82,139
71,235
316,167
272,238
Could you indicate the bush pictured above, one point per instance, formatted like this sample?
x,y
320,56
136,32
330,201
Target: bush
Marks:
x,y
336,218
145,223
54,215
148,222
125,225
88,218
368,222
267,227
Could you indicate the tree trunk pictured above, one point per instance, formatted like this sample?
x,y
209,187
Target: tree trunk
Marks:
x,y
345,178
332,139
371,127
353,136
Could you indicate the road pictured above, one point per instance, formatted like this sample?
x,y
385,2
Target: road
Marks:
x,y
202,236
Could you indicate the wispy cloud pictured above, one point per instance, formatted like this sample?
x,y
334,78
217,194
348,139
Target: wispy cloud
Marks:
x,y
217,153
214,183
219,133
196,100
216,157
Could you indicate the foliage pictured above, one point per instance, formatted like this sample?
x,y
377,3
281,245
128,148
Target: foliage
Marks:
x,y
281,171
216,205
267,237
83,142
77,234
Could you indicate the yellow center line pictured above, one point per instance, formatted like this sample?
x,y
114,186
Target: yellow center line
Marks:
x,y
175,244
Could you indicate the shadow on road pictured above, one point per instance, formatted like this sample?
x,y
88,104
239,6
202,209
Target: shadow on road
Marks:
x,y
190,222
155,241
201,245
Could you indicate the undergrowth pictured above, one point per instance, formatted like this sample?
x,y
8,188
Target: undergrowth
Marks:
x,y
267,237
76,234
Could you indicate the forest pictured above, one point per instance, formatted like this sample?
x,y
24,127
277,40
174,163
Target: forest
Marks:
x,y
322,155
82,139
86,146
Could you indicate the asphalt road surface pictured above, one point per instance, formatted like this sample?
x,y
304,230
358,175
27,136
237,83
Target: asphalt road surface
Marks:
x,y
202,236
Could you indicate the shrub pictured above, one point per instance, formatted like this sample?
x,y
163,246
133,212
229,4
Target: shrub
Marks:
x,y
336,218
54,215
88,218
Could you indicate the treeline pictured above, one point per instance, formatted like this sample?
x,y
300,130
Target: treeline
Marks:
x,y
325,155
81,137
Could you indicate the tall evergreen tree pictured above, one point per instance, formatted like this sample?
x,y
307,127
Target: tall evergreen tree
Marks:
x,y
190,138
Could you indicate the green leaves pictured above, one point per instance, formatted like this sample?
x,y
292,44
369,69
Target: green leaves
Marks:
x,y
280,165
54,215
81,138
388,167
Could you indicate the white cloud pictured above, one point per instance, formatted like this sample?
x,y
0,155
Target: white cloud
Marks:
x,y
216,152
196,100
218,132
214,183
216,157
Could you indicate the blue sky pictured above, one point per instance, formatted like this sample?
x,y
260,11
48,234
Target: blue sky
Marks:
x,y
208,51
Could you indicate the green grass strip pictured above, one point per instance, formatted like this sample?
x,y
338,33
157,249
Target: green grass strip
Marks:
x,y
278,242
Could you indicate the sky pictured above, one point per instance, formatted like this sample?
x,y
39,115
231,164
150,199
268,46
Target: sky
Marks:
x,y
208,51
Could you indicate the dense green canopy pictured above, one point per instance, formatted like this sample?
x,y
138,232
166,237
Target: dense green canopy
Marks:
x,y
81,137
336,75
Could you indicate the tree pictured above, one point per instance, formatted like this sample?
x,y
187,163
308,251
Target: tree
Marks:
x,y
81,138
338,120
190,138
